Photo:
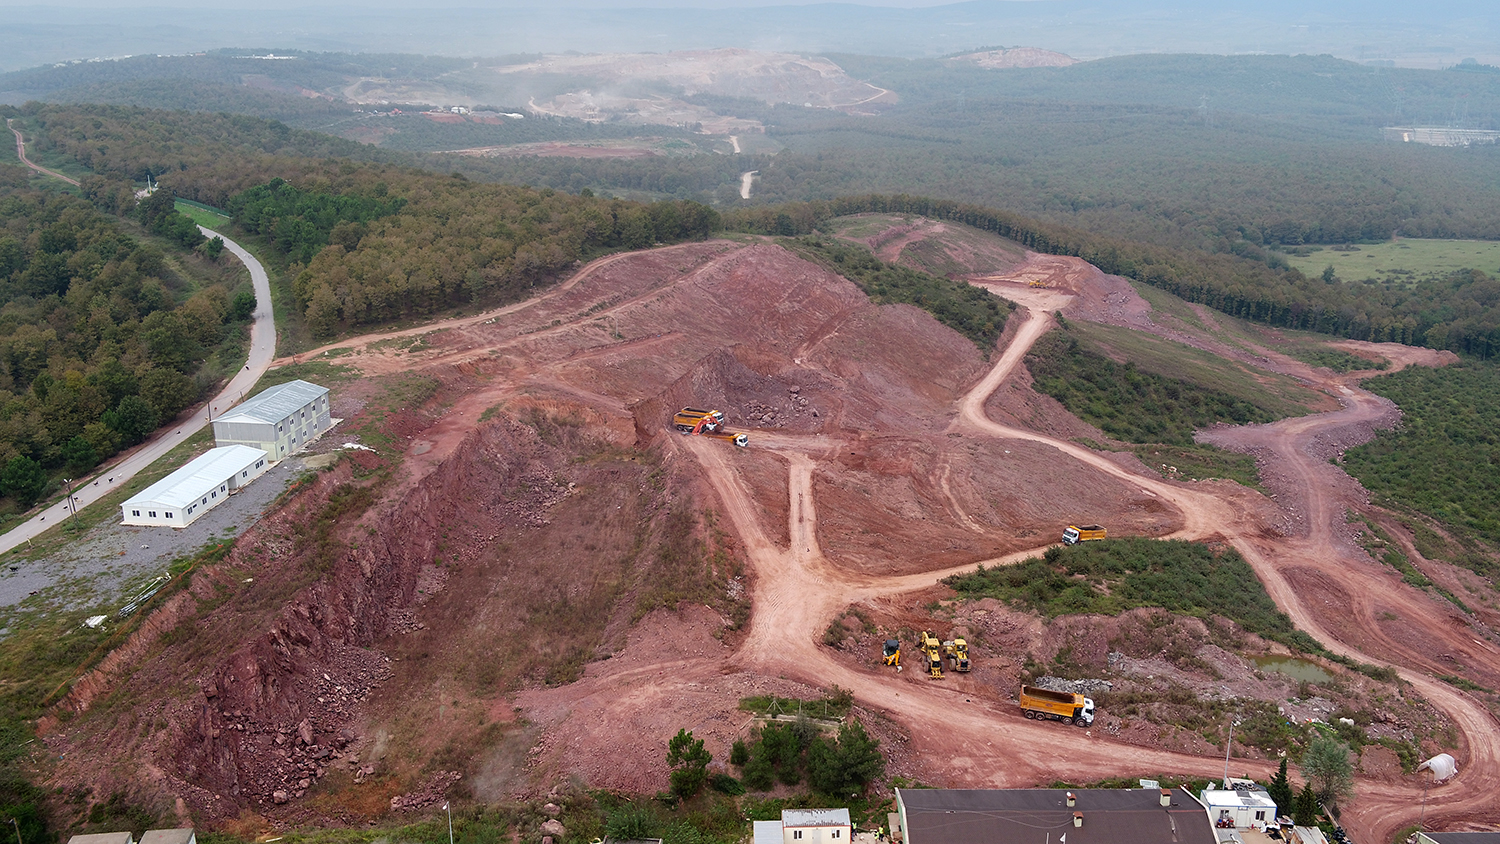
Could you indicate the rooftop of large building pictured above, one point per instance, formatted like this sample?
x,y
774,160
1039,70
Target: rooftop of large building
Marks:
x,y
274,404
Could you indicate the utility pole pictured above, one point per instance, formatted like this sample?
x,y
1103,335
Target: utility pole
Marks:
x,y
72,507
450,822
18,829
1227,745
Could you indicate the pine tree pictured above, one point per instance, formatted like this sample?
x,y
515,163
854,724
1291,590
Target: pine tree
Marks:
x,y
1280,790
689,761
1306,811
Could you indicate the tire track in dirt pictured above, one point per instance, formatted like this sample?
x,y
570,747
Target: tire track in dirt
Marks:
x,y
797,593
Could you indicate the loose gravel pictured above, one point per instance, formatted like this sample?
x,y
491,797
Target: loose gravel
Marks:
x,y
102,570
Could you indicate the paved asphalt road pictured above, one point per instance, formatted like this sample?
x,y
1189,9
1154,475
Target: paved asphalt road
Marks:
x,y
111,476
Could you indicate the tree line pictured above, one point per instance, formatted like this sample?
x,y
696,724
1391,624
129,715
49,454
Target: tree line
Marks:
x,y
101,334
1461,314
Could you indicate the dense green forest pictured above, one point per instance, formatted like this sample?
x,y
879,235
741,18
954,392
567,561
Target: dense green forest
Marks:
x,y
1443,459
1242,154
102,335
1128,403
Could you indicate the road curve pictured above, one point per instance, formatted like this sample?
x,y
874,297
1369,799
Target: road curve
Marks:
x,y
798,591
21,154
112,476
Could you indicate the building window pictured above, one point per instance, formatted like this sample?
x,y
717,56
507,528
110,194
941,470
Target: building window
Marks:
x,y
168,514
245,474
151,513
205,501
135,512
835,834
214,494
1261,815
796,833
259,463
278,428
222,487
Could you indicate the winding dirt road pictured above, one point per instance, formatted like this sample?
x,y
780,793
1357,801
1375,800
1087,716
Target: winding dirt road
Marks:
x,y
799,591
21,154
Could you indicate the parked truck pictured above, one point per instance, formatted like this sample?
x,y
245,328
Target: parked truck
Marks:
x,y
1088,533
1067,707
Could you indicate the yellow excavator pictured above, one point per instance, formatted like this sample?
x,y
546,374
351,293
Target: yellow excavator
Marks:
x,y
957,651
892,654
933,650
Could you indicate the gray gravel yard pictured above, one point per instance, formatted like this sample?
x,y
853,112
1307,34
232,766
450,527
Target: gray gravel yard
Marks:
x,y
97,574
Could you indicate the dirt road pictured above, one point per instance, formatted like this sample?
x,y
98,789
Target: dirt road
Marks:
x,y
799,592
746,178
21,154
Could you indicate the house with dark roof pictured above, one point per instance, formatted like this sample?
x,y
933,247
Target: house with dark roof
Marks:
x,y
1039,815
1492,837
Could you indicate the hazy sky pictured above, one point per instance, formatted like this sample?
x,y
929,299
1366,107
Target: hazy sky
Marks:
x,y
1400,32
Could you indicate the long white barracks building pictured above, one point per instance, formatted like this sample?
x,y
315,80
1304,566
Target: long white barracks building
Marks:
x,y
206,481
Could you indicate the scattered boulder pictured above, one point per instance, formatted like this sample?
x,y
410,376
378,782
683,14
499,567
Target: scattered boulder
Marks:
x,y
554,827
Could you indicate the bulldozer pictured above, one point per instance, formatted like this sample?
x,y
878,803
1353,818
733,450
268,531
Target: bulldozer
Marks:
x,y
706,423
892,654
957,651
933,650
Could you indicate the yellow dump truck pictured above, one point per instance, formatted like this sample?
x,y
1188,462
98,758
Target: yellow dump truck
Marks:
x,y
1088,533
1067,707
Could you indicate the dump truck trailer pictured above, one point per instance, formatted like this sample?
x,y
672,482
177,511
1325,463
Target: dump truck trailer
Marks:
x,y
707,423
1047,705
688,418
1088,533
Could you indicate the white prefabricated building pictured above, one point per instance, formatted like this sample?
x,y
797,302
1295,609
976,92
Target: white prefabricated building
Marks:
x,y
208,480
280,420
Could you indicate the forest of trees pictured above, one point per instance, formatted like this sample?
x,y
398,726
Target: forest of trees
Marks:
x,y
101,339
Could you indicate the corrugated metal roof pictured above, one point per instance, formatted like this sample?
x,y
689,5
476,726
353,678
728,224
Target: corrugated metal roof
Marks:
x,y
193,481
767,832
791,818
274,404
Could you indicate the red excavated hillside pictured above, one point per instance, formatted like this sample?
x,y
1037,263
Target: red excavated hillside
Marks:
x,y
483,603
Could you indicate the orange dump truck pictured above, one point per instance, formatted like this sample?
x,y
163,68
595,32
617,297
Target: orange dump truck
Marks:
x,y
1047,705
1088,533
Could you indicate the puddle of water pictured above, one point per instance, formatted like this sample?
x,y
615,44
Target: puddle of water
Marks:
x,y
1291,666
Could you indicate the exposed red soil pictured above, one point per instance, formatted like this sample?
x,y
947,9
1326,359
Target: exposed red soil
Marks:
x,y
879,415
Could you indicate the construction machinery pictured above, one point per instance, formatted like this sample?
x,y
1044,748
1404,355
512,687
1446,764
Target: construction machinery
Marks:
x,y
689,418
957,651
932,649
707,423
892,654
1067,707
1088,533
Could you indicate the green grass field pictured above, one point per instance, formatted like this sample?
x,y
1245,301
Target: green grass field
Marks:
x,y
1407,259
202,216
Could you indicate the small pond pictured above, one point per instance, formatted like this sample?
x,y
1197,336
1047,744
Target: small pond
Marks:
x,y
1294,667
